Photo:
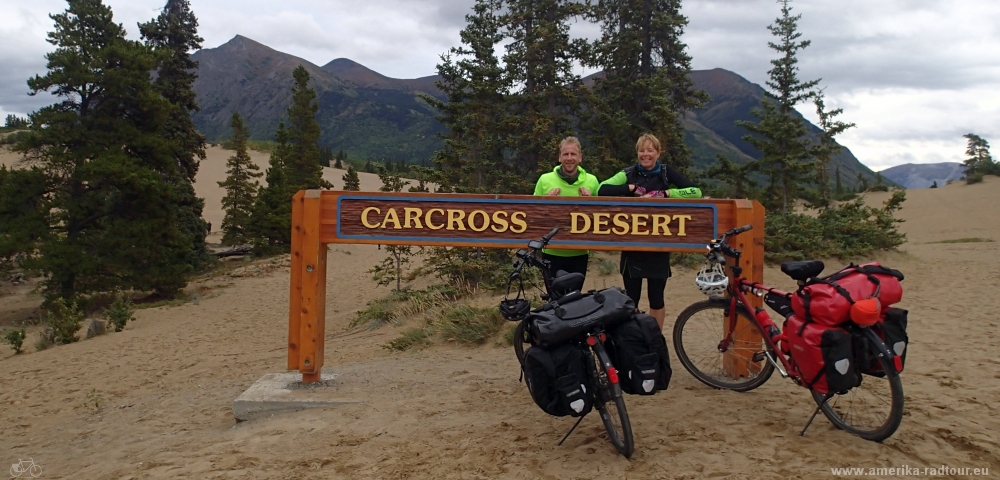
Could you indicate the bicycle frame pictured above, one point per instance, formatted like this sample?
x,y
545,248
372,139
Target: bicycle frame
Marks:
x,y
736,298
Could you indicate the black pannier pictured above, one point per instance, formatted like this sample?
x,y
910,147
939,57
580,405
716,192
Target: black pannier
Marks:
x,y
558,381
565,322
639,351
892,331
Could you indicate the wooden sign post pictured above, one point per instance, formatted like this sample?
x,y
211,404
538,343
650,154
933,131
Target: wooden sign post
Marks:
x,y
493,221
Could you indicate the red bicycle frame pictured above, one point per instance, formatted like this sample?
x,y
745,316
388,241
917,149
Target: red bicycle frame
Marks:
x,y
737,297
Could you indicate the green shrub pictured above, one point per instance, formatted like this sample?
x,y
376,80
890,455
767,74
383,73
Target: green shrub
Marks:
x,y
413,337
406,303
469,325
44,342
606,267
878,188
687,260
120,311
508,334
16,339
471,268
849,230
64,321
974,178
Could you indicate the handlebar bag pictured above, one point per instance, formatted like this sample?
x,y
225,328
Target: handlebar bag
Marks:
x,y
892,331
827,301
563,323
640,354
558,381
823,355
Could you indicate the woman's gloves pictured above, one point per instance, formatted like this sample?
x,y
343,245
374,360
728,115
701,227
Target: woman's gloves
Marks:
x,y
642,192
690,192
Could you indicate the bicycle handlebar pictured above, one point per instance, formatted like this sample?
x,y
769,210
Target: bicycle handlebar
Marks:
x,y
738,230
546,238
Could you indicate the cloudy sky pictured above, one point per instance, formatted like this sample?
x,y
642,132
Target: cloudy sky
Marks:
x,y
914,75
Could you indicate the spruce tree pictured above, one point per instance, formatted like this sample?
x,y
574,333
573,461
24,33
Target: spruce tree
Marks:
x,y
271,218
646,86
540,61
351,181
174,36
780,134
303,160
839,186
476,87
240,185
111,209
390,269
827,147
738,177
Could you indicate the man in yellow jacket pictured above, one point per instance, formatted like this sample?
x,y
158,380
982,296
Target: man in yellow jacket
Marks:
x,y
567,180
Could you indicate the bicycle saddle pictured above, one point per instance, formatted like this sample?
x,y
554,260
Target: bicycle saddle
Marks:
x,y
567,282
802,270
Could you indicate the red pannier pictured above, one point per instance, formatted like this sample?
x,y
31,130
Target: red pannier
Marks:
x,y
827,301
824,355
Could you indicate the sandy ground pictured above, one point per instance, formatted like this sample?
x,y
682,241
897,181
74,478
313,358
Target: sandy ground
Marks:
x,y
165,385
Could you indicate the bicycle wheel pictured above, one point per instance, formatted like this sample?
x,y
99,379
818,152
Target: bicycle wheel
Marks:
x,y
872,410
616,422
698,332
522,340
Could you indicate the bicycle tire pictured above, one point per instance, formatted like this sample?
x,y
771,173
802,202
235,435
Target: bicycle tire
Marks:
x,y
607,393
847,411
697,334
521,339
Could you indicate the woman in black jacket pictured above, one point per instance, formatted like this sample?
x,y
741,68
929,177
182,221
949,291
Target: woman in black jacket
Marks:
x,y
652,179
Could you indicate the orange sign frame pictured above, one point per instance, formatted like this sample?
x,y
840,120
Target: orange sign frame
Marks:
x,y
321,217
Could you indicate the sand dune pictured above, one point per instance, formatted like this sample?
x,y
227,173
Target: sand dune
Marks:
x,y
166,384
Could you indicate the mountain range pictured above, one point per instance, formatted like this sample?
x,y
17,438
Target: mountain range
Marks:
x,y
924,175
369,115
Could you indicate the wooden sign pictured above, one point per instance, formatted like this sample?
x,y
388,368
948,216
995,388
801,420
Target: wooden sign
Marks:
x,y
586,223
498,221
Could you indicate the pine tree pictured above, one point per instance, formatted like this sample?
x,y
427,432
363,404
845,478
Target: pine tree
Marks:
x,y
780,133
827,147
23,222
340,159
304,170
174,35
271,217
646,86
351,181
980,161
110,208
240,185
369,167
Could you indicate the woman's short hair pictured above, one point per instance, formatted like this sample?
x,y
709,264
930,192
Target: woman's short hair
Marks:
x,y
648,138
571,141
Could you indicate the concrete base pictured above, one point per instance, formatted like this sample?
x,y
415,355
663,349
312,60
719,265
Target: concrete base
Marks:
x,y
277,393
